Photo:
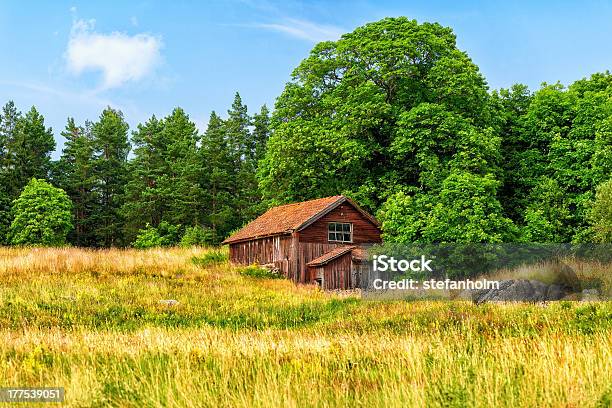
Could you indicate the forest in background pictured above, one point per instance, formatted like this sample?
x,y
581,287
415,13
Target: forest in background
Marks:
x,y
392,115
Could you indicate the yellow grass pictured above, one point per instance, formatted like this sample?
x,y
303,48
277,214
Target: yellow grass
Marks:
x,y
91,321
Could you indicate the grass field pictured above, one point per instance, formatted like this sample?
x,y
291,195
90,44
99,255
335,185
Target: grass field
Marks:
x,y
92,322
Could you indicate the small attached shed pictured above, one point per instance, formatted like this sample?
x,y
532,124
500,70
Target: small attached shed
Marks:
x,y
325,234
340,268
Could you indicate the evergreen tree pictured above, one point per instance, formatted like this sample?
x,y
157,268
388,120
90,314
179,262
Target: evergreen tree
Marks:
x,y
237,131
28,152
143,201
243,149
261,132
75,175
111,148
8,123
165,174
219,173
180,185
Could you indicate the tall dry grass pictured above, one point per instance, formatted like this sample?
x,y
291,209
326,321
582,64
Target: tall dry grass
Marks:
x,y
25,261
217,368
91,321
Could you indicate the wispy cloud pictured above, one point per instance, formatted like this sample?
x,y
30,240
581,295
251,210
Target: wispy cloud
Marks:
x,y
305,30
81,97
119,57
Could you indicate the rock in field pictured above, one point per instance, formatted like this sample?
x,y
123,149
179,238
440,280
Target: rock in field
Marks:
x,y
521,290
590,295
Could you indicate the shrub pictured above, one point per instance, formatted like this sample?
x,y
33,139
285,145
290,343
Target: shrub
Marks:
x,y
198,236
163,236
255,271
42,215
601,213
210,258
147,238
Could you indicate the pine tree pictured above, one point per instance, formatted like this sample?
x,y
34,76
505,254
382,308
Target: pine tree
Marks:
x,y
164,184
143,201
261,132
28,152
8,122
111,148
218,176
243,149
237,131
180,185
75,175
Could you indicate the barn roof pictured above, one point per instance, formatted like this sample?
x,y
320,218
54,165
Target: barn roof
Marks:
x,y
291,217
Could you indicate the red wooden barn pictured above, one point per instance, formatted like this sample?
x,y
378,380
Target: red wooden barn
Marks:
x,y
318,241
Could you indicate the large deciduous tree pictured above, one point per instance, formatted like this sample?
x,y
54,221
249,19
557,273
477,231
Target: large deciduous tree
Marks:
x,y
42,215
556,148
392,111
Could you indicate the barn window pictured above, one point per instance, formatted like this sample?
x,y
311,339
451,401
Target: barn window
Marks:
x,y
340,232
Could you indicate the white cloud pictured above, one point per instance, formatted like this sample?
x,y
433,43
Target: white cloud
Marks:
x,y
118,56
305,30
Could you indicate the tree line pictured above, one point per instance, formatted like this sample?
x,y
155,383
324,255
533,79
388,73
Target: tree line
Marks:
x,y
392,114
176,183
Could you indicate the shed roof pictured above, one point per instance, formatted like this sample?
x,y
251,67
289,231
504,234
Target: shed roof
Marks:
x,y
291,217
331,255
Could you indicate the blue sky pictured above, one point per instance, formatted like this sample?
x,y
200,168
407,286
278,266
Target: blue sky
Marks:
x,y
72,58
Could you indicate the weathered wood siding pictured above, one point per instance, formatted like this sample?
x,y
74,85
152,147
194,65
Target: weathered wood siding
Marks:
x,y
291,253
364,231
307,252
277,250
337,274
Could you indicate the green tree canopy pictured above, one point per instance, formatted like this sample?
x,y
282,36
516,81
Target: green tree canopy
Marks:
x,y
601,213
42,215
392,111
164,175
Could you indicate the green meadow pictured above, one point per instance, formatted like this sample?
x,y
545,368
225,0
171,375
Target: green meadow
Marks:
x,y
92,321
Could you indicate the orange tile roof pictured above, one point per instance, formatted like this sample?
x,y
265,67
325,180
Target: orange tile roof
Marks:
x,y
331,255
360,254
284,218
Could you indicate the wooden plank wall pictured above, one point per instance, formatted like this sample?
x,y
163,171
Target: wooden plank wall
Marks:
x,y
364,231
307,252
342,273
338,273
275,250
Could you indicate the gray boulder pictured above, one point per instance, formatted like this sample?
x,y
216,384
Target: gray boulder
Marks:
x,y
521,290
589,295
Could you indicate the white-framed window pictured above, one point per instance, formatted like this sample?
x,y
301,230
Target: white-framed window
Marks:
x,y
340,232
